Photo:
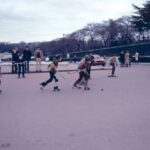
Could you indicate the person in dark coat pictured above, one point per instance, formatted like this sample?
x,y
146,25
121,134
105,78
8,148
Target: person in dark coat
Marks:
x,y
15,58
74,58
27,58
122,58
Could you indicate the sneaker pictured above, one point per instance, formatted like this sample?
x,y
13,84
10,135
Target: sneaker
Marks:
x,y
56,88
43,84
87,88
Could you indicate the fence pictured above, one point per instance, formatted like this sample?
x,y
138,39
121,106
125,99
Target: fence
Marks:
x,y
143,49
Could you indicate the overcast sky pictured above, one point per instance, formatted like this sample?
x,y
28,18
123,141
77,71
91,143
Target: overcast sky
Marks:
x,y
45,20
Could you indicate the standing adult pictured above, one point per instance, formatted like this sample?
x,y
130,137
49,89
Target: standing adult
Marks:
x,y
15,59
74,58
136,57
122,58
38,56
68,57
27,57
127,59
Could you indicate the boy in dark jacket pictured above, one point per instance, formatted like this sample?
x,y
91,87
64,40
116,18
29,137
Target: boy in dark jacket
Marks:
x,y
15,58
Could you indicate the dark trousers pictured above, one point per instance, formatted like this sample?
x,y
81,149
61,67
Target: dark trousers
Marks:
x,y
26,66
89,71
52,77
14,67
113,69
82,75
21,69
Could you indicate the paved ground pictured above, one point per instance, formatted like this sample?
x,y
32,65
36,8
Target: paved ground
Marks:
x,y
117,118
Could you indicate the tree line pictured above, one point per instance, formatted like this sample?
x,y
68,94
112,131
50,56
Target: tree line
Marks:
x,y
122,31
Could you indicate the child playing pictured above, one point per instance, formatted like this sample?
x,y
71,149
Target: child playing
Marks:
x,y
21,66
83,74
52,71
113,63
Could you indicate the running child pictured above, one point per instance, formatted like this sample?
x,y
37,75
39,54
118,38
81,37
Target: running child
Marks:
x,y
83,73
113,63
52,72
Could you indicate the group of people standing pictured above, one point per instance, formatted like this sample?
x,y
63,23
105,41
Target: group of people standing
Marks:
x,y
21,60
126,58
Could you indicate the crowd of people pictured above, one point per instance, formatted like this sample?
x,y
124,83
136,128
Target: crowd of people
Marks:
x,y
21,60
84,69
21,65
84,73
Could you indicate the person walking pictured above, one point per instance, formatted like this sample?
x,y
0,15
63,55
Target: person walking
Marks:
x,y
38,56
